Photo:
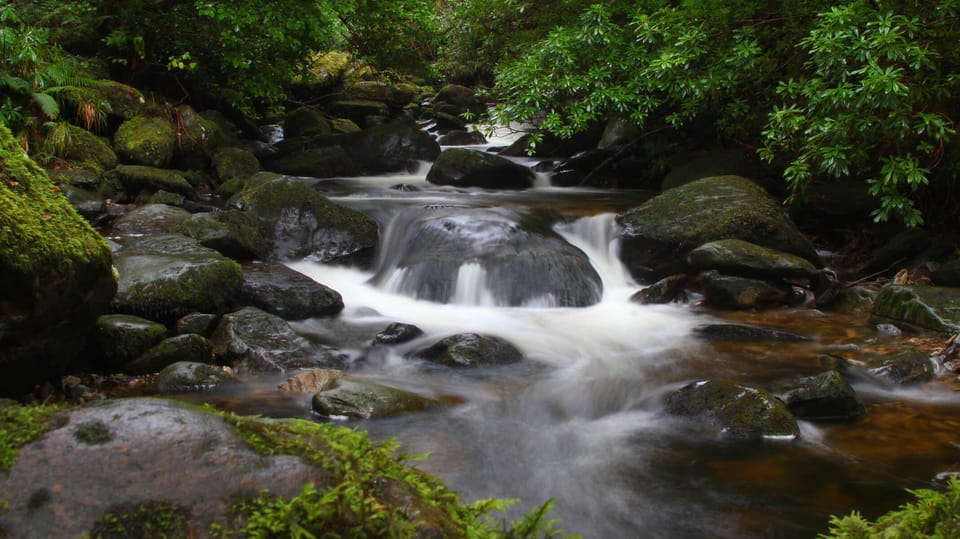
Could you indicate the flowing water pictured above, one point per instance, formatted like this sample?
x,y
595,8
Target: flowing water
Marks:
x,y
579,421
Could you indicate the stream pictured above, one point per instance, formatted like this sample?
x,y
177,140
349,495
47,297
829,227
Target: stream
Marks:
x,y
580,420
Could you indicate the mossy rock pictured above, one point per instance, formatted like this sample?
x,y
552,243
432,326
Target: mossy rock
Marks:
x,y
461,167
460,96
666,290
121,338
325,162
462,138
189,347
738,257
904,368
344,125
730,292
126,102
825,397
165,277
658,235
304,122
362,400
89,150
734,410
55,274
470,350
357,110
150,219
921,308
230,163
145,140
136,178
234,233
198,323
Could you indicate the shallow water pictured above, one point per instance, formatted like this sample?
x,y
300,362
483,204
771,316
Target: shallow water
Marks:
x,y
580,420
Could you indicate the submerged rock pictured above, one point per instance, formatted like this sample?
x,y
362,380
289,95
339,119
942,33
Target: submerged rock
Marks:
x,y
397,333
740,333
470,350
471,168
736,411
187,376
826,396
351,398
908,367
743,293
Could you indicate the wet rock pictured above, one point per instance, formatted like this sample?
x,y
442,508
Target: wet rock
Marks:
x,y
658,235
470,350
287,293
741,333
741,293
344,125
187,377
230,163
665,290
606,169
305,122
133,179
462,97
200,135
166,197
826,396
358,110
736,411
889,330
351,398
150,219
235,234
88,203
311,381
908,367
145,141
397,333
168,276
470,168
121,338
197,323
742,258
461,137
256,341
190,348
920,308
325,162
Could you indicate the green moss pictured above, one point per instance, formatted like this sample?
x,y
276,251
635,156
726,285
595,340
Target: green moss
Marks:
x,y
933,514
20,425
146,141
151,520
93,433
91,151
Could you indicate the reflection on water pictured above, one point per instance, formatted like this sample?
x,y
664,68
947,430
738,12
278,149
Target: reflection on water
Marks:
x,y
580,421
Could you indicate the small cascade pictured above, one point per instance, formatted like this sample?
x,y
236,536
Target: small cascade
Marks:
x,y
472,287
598,237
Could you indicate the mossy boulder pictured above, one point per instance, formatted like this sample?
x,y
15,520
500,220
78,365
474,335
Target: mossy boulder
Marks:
x,y
738,257
297,221
323,162
190,377
229,163
362,400
126,102
733,410
470,350
358,110
904,368
921,308
461,167
89,150
658,235
732,292
825,397
344,125
150,219
189,347
304,122
133,179
234,233
121,338
462,97
198,323
145,140
165,277
462,137
55,274
287,293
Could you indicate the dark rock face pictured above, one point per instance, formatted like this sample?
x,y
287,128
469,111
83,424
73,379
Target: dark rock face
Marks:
x,y
470,350
324,162
480,256
742,293
825,397
736,411
739,333
287,293
929,308
658,235
462,138
350,398
665,290
397,333
470,168
738,257
256,341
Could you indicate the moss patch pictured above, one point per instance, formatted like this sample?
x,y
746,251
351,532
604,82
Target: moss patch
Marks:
x,y
150,520
20,425
146,141
93,433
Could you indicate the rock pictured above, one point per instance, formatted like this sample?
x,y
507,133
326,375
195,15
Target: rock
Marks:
x,y
121,338
199,323
134,179
462,138
89,204
287,293
126,102
736,411
948,274
658,235
256,341
470,168
446,121
358,110
325,162
826,396
470,350
55,275
199,136
344,125
741,333
908,367
230,163
235,234
553,146
150,219
606,169
665,290
189,348
460,96
854,300
304,122
929,308
166,197
485,256
742,293
187,377
157,449
89,150
351,398
297,221
165,277
311,381
618,131
741,258
145,140
397,333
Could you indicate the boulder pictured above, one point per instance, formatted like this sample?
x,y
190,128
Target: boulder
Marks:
x,y
665,290
304,122
553,146
362,400
344,125
485,256
921,308
741,333
198,137
826,396
121,338
324,162
462,138
252,340
88,203
133,179
55,274
234,233
89,151
658,235
470,350
606,169
446,121
733,410
145,140
199,323
461,97
297,221
165,277
854,300
742,258
187,377
190,348
230,163
397,333
908,249
165,197
287,293
904,368
470,168
150,219
741,293
358,110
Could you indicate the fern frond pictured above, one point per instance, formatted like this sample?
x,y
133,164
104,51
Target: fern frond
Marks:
x,y
16,84
49,105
